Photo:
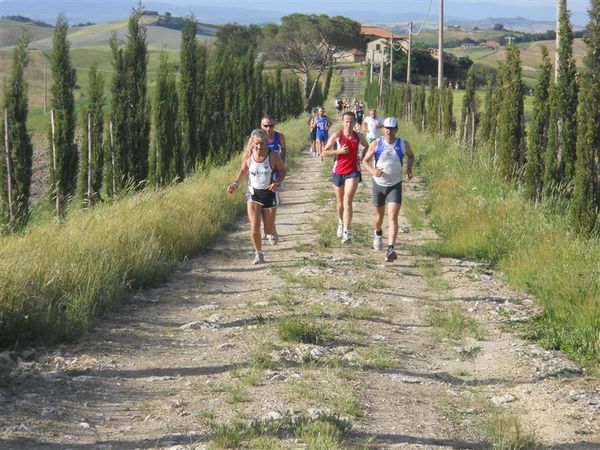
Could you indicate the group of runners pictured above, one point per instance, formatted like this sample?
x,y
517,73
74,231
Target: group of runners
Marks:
x,y
383,156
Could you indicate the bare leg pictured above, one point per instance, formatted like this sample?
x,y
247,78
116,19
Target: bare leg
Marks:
x,y
378,218
339,201
254,216
393,210
268,218
351,185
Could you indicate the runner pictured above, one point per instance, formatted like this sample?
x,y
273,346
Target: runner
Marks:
x,y
389,152
359,113
346,171
313,132
371,125
275,143
262,198
322,123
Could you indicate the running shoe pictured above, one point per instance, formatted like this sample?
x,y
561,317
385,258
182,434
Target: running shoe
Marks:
x,y
259,258
346,236
273,238
377,241
340,230
390,255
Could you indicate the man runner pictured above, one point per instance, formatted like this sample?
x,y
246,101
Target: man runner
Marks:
x,y
389,152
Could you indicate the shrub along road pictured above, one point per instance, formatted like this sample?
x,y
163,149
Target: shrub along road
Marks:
x,y
325,346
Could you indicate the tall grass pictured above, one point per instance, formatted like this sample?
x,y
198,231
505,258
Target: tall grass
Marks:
x,y
56,278
481,215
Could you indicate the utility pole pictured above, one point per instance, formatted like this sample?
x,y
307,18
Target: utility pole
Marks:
x,y
372,62
391,55
556,57
441,46
381,81
409,53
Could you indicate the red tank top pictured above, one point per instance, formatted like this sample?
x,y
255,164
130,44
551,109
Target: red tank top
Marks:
x,y
348,163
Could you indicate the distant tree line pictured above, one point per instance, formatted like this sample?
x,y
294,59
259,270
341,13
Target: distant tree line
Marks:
x,y
24,19
130,140
557,154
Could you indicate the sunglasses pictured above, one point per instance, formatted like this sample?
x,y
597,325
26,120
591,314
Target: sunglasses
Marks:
x,y
267,125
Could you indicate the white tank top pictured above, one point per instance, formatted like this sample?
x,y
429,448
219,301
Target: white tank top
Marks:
x,y
389,162
260,173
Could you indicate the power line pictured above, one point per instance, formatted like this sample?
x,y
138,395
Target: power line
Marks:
x,y
424,20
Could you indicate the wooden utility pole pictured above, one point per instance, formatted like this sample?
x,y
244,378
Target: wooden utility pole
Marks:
x,y
56,180
112,158
89,162
372,63
11,212
556,57
391,55
408,68
441,46
45,87
380,102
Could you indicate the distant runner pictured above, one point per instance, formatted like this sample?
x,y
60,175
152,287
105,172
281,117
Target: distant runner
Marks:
x,y
265,173
371,126
322,124
389,152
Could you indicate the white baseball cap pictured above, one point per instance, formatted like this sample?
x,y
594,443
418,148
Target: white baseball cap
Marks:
x,y
390,122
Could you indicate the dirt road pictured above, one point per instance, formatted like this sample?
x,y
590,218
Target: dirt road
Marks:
x,y
420,353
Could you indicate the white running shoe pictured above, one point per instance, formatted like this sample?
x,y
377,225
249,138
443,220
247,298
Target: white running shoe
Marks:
x,y
377,241
259,258
273,238
340,230
346,237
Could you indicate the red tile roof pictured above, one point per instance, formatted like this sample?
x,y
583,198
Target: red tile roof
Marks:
x,y
378,31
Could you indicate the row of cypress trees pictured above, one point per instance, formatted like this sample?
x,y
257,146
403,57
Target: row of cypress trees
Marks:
x,y
202,118
558,155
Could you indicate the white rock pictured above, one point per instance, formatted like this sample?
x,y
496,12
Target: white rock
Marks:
x,y
84,425
320,352
502,399
405,379
200,325
272,416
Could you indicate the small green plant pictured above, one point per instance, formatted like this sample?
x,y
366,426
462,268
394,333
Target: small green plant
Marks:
x,y
231,435
236,394
297,329
412,213
505,432
325,433
378,356
454,322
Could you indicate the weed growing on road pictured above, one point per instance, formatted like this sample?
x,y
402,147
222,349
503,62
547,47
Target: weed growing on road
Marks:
x,y
454,322
377,356
505,432
300,330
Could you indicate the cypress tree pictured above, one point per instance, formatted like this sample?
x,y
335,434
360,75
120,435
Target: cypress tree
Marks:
x,y
586,194
408,102
189,94
432,120
537,135
138,117
63,150
510,133
19,140
487,118
117,142
279,111
560,157
95,110
203,122
468,113
166,158
447,113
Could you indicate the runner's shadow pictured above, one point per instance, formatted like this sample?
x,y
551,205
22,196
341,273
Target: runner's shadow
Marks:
x,y
401,439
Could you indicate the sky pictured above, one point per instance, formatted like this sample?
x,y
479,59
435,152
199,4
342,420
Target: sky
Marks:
x,y
416,10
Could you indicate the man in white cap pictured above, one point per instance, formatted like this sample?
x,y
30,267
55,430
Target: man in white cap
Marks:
x,y
389,153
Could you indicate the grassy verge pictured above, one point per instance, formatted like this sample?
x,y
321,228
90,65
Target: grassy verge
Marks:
x,y
55,279
480,215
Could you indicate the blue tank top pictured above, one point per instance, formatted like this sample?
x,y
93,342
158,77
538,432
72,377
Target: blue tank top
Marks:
x,y
275,146
322,124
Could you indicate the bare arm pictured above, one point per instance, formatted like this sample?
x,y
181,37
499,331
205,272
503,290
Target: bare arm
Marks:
x,y
367,160
241,174
410,160
328,149
280,167
282,142
363,141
